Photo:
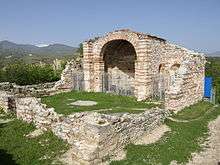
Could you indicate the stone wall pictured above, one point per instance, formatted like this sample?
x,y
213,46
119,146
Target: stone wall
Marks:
x,y
7,101
185,83
36,90
94,137
30,110
67,82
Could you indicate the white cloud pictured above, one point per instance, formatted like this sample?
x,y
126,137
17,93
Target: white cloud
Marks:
x,y
42,45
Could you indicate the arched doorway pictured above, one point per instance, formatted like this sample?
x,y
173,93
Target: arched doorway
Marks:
x,y
119,58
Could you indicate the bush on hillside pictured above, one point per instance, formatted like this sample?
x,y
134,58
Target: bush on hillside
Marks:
x,y
27,74
213,70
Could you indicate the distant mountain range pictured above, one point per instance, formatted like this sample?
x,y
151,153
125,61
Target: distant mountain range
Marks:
x,y
214,54
9,49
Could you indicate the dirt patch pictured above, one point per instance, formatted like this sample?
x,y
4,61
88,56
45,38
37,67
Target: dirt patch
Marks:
x,y
153,136
83,103
211,153
34,133
211,148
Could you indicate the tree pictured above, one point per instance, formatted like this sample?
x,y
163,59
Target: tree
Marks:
x,y
80,49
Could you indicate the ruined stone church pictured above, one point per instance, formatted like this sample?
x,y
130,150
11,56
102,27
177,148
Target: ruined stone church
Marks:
x,y
139,64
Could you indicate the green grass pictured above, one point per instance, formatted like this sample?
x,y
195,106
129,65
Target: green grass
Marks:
x,y
15,148
184,139
105,101
194,111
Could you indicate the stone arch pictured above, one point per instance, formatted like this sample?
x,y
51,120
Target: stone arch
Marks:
x,y
175,79
94,64
119,51
174,68
119,57
128,36
100,44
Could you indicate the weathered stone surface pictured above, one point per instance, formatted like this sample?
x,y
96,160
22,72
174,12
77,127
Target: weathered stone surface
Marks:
x,y
67,81
7,101
37,90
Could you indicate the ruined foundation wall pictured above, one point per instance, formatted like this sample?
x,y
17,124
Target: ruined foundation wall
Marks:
x,y
125,129
93,137
36,90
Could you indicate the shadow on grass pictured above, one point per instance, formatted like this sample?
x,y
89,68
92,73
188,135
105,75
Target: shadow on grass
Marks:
x,y
2,125
6,158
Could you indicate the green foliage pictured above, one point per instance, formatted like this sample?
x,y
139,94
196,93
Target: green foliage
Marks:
x,y
16,148
184,139
24,74
2,75
213,70
80,49
105,101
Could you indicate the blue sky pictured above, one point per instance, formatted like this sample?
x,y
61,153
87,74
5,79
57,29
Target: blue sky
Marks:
x,y
194,24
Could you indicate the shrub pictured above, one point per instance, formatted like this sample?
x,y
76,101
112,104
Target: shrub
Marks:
x,y
213,70
25,74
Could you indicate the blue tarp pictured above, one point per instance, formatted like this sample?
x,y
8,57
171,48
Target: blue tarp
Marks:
x,y
208,87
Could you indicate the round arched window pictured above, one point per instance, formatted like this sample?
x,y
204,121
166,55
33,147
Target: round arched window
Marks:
x,y
174,68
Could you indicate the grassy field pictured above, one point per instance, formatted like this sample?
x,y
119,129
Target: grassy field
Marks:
x,y
178,144
107,103
15,148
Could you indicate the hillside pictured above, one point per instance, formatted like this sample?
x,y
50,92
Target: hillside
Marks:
x,y
11,52
8,49
214,54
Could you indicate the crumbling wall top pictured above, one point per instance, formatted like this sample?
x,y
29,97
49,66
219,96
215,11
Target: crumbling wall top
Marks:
x,y
127,32
140,35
